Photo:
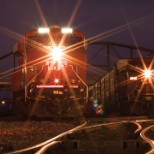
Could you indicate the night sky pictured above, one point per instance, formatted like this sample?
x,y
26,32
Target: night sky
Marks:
x,y
123,21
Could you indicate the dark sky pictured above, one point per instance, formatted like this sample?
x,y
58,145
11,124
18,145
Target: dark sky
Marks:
x,y
123,21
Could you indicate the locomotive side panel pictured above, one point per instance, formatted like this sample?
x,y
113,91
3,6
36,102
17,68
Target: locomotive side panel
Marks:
x,y
16,80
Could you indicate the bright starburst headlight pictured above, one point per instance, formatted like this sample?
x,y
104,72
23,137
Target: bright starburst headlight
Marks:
x,y
147,73
57,53
56,81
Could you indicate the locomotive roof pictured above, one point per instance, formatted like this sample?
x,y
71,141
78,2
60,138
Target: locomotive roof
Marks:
x,y
55,29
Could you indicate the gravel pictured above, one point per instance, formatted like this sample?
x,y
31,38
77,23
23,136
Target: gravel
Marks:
x,y
16,135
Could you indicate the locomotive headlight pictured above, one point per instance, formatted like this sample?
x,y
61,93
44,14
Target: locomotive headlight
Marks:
x,y
66,30
147,73
133,78
57,53
43,30
56,81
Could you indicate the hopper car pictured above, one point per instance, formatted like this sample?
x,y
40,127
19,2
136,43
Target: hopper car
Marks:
x,y
126,90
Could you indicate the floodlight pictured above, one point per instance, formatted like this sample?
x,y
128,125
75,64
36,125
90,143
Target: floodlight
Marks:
x,y
43,30
147,73
66,30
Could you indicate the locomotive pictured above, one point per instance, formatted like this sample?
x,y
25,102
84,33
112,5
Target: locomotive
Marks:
x,y
50,79
126,90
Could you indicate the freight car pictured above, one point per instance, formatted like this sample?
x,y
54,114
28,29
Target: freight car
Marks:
x,y
50,79
128,89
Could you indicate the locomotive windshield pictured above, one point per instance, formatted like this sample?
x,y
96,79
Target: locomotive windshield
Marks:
x,y
47,41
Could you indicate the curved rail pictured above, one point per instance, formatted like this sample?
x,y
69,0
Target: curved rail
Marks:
x,y
150,141
48,141
44,148
53,141
139,127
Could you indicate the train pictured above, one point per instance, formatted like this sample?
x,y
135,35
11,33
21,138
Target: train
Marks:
x,y
126,90
49,77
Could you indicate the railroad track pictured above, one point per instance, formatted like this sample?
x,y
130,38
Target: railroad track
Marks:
x,y
121,135
89,138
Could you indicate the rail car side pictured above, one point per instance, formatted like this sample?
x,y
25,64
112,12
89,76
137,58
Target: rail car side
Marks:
x,y
126,89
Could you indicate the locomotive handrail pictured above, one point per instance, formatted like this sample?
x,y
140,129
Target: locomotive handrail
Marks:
x,y
6,55
83,83
29,82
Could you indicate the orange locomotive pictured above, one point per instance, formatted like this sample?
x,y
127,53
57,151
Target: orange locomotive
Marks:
x,y
50,79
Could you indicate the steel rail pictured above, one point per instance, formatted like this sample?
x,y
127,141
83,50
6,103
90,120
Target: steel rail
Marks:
x,y
139,127
45,148
50,145
150,141
53,141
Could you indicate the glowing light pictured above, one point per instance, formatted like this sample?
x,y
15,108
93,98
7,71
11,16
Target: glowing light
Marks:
x,y
74,86
49,86
3,102
66,30
73,80
100,110
57,53
133,78
95,104
147,73
56,80
43,30
56,86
